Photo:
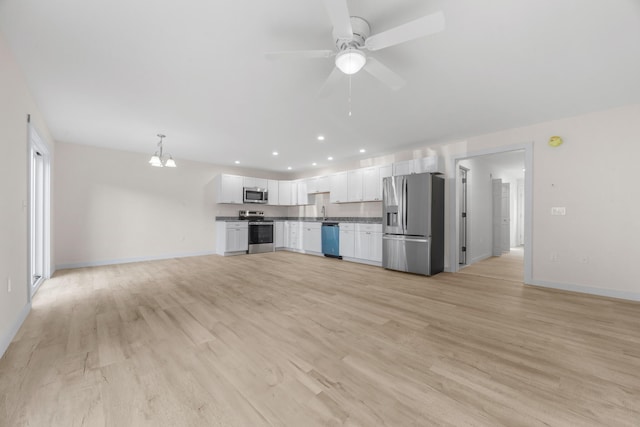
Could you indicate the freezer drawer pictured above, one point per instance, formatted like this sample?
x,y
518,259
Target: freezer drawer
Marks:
x,y
410,254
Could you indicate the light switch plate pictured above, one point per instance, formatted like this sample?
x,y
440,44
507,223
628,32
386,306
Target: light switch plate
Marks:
x,y
559,210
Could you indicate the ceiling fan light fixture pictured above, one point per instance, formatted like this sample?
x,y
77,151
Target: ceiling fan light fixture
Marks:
x,y
350,60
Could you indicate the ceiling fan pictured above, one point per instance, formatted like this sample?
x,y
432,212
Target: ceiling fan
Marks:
x,y
353,37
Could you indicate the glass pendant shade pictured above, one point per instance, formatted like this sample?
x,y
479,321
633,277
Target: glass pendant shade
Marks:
x,y
170,163
155,160
350,60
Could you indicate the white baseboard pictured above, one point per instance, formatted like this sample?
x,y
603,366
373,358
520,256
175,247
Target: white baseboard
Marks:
x,y
363,261
129,260
479,258
6,339
611,293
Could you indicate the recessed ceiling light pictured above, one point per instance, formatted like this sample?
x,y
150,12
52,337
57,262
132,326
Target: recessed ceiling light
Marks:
x,y
320,137
314,164
329,158
362,150
289,167
237,162
275,153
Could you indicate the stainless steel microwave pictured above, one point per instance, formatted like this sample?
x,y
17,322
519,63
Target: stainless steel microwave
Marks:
x,y
255,195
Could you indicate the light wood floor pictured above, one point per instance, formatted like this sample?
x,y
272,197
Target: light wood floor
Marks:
x,y
509,266
286,339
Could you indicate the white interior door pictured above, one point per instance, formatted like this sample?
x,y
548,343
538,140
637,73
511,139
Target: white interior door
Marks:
x,y
505,233
497,217
39,212
520,214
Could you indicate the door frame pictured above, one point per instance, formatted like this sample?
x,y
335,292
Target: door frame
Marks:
x,y
454,237
36,143
463,212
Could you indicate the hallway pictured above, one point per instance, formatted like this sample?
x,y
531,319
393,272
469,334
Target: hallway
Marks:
x,y
509,266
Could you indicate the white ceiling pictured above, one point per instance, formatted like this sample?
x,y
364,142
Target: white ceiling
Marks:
x,y
115,73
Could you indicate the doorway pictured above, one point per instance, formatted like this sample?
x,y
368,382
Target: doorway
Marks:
x,y
491,217
39,211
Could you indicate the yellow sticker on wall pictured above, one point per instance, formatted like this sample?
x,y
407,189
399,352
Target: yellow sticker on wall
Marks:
x,y
555,141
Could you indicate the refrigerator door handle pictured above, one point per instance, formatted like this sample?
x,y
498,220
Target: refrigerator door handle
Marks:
x,y
404,238
405,197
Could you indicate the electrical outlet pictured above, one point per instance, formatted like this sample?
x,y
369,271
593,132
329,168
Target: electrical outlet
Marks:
x,y
553,257
559,210
584,259
8,284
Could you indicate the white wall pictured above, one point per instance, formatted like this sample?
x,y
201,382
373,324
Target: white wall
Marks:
x,y
111,206
15,104
593,175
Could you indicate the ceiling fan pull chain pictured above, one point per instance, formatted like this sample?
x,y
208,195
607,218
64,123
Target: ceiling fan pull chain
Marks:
x,y
349,95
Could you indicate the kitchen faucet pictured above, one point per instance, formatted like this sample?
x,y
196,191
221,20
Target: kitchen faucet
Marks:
x,y
324,213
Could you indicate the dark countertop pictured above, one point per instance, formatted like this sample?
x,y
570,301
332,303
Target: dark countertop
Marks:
x,y
366,220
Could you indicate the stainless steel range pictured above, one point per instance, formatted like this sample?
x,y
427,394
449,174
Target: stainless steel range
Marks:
x,y
260,231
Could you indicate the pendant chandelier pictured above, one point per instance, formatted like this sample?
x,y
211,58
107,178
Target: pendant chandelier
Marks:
x,y
160,160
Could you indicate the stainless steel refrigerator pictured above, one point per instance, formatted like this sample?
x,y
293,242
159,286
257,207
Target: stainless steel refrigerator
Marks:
x,y
413,223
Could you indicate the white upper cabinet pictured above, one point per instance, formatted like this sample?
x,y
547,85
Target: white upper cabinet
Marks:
x,y
385,171
354,185
406,167
302,195
359,185
338,187
318,184
273,187
312,185
284,193
322,184
229,188
255,182
371,184
426,164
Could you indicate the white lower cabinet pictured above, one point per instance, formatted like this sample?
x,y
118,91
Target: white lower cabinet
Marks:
x,y
232,237
368,242
358,242
347,240
293,235
278,231
312,237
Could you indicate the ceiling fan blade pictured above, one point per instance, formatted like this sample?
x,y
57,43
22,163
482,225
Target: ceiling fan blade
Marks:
x,y
293,54
380,71
340,18
331,82
420,27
